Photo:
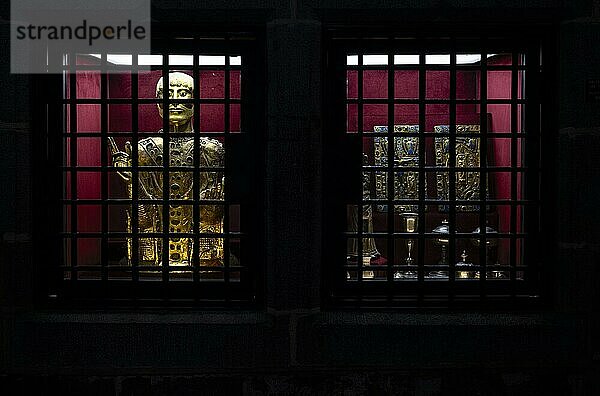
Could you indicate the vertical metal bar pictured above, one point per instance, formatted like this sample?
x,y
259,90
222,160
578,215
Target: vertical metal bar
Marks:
x,y
57,156
73,165
166,172
104,172
514,114
135,176
549,166
48,151
452,148
532,120
391,173
196,174
422,177
248,276
359,209
226,240
483,173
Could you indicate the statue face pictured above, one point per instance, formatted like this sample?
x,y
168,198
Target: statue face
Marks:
x,y
181,86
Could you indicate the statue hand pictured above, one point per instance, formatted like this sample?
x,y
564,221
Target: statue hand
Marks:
x,y
123,159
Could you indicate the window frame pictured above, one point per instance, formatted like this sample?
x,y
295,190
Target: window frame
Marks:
x,y
340,170
243,174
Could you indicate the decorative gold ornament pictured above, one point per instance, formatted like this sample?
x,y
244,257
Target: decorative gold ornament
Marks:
x,y
467,156
150,187
406,154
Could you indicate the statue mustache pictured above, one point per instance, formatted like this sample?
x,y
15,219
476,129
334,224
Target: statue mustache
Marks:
x,y
173,106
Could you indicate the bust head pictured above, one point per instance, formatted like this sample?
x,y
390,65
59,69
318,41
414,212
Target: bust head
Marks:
x,y
181,86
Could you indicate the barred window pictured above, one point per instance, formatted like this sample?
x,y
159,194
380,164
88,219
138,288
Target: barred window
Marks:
x,y
437,144
157,161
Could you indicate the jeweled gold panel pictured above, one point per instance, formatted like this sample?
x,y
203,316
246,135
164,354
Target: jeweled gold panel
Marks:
x,y
406,154
467,151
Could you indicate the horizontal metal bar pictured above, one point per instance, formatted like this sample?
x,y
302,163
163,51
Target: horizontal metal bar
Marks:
x,y
142,168
153,268
428,235
358,101
86,101
432,67
146,134
140,235
127,201
146,68
433,201
427,134
488,169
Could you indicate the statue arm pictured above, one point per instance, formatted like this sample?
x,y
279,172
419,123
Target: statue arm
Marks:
x,y
212,183
121,158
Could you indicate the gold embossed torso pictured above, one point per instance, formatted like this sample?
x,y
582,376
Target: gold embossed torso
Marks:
x,y
177,176
180,214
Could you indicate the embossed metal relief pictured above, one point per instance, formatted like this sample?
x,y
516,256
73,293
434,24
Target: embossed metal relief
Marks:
x,y
467,156
406,154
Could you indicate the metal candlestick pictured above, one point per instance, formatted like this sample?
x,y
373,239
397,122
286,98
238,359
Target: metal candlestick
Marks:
x,y
410,224
443,241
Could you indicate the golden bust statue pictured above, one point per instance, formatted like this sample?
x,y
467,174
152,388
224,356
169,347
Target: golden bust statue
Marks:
x,y
181,154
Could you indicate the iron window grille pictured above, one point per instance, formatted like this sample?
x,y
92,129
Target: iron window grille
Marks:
x,y
90,229
430,104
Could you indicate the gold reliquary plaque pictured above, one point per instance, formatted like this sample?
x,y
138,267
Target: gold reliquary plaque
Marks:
x,y
467,156
406,154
